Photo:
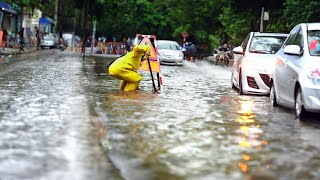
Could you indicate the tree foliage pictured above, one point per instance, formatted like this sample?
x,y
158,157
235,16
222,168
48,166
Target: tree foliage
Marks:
x,y
209,22
298,11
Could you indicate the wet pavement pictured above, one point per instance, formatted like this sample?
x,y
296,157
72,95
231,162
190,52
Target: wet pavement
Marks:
x,y
47,129
64,119
200,128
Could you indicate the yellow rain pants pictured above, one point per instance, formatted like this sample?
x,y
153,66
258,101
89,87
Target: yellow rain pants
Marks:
x,y
126,67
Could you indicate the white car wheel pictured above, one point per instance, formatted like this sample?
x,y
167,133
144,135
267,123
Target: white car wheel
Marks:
x,y
273,99
299,109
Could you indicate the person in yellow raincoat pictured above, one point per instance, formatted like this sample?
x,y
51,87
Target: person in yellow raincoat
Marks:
x,y
126,67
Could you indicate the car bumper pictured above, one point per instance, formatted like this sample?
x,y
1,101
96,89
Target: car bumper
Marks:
x,y
255,82
171,62
47,44
311,97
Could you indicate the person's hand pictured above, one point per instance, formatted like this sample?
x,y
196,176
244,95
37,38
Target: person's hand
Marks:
x,y
147,53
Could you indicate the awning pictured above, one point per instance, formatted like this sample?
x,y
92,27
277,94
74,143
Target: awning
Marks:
x,y
46,21
6,7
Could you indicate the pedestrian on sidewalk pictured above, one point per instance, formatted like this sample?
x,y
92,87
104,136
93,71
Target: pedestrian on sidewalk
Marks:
x,y
38,36
21,32
5,37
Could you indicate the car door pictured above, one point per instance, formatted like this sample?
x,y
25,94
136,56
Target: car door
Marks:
x,y
238,60
286,74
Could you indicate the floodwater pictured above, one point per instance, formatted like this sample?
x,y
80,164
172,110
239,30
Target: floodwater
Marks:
x,y
45,122
64,118
200,128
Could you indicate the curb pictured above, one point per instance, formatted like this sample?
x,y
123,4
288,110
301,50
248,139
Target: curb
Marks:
x,y
14,51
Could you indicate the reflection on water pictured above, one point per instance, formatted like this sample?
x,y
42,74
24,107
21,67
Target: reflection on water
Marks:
x,y
251,138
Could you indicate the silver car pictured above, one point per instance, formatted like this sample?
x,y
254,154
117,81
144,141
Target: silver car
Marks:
x,y
48,40
254,62
295,82
169,52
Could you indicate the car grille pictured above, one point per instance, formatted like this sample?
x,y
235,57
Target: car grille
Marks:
x,y
266,79
164,61
252,82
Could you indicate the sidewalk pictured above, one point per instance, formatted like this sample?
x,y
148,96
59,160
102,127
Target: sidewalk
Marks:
x,y
15,51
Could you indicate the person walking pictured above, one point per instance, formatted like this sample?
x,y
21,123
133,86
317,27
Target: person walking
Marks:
x,y
38,36
5,37
21,32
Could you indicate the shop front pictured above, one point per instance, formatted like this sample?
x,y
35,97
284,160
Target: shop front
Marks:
x,y
9,21
46,25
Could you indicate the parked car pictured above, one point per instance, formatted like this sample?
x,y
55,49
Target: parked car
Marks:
x,y
170,52
295,82
49,40
254,62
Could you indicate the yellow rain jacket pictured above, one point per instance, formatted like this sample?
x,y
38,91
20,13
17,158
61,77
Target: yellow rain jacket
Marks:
x,y
126,67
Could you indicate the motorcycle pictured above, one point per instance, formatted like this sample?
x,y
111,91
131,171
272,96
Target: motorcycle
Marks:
x,y
222,57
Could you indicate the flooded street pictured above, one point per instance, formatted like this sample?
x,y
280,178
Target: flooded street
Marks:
x,y
61,118
45,123
200,128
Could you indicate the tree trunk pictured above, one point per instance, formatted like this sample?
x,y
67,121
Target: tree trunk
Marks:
x,y
56,15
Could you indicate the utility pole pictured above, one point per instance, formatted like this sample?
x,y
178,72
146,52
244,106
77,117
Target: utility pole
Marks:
x,y
262,19
85,28
93,36
74,30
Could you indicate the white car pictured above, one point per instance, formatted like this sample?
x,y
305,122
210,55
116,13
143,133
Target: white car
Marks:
x,y
49,41
295,81
254,62
169,52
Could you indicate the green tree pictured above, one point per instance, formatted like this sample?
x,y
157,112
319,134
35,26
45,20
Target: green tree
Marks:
x,y
298,11
209,22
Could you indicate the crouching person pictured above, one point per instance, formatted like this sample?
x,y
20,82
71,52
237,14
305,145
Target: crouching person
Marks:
x,y
125,68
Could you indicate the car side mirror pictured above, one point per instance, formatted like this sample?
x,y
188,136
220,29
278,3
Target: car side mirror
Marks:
x,y
293,50
238,50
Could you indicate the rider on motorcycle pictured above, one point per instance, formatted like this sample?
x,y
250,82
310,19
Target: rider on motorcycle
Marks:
x,y
224,48
192,52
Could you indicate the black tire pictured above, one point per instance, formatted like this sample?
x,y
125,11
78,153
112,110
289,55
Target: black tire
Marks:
x,y
298,104
240,83
232,84
273,99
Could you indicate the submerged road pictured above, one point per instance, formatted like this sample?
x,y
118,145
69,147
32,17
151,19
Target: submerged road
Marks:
x,y
47,131
200,128
64,118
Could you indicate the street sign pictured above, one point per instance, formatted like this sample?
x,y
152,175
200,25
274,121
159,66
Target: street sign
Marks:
x,y
153,53
154,65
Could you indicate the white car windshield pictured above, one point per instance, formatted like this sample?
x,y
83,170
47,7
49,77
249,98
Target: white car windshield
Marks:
x,y
49,38
266,44
314,42
171,46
